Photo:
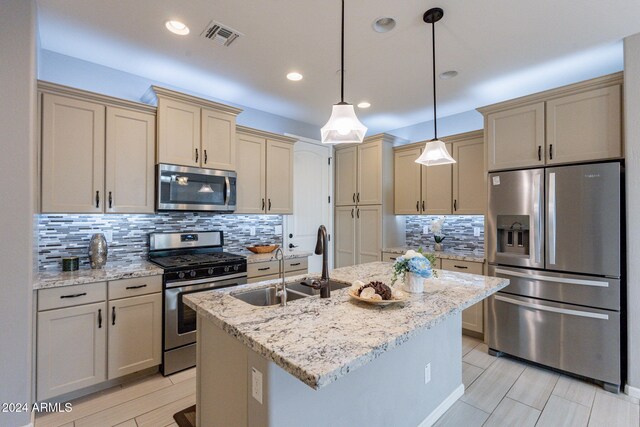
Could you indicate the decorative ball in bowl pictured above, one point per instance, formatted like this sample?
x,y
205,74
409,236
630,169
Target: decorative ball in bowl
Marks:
x,y
263,249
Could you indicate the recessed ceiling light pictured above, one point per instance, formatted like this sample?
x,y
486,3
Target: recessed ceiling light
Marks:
x,y
384,24
177,27
294,77
448,74
364,104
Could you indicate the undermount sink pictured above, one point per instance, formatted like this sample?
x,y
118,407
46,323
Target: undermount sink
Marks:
x,y
266,297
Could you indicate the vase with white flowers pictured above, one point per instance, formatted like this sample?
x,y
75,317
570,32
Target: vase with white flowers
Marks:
x,y
438,236
413,267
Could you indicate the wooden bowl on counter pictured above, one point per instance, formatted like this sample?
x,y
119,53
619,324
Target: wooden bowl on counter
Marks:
x,y
263,249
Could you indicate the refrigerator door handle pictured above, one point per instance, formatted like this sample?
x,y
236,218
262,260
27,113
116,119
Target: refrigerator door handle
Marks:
x,y
537,218
569,281
552,309
552,218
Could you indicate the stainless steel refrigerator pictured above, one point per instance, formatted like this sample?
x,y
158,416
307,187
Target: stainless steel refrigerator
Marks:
x,y
556,233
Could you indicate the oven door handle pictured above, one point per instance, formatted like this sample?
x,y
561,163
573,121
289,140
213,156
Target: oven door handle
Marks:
x,y
210,282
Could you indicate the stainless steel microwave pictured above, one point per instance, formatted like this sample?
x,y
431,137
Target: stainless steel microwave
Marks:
x,y
182,188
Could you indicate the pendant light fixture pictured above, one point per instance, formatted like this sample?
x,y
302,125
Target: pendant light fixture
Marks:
x,y
343,126
435,153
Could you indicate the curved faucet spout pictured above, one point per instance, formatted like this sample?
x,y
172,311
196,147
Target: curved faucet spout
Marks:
x,y
322,249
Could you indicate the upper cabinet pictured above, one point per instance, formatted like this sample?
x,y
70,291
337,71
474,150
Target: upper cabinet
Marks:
x,y
93,148
194,131
576,123
265,172
444,189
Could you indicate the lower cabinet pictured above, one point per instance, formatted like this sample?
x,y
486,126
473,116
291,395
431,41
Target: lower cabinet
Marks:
x,y
472,317
88,334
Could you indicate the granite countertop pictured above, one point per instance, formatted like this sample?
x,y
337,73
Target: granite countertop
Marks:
x,y
473,256
253,258
111,271
320,340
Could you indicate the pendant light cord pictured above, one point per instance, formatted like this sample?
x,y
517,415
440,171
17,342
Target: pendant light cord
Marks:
x,y
433,41
342,59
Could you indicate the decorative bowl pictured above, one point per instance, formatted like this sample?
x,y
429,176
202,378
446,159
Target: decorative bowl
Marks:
x,y
263,249
394,300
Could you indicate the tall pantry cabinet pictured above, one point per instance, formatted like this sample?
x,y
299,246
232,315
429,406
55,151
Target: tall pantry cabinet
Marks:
x,y
364,219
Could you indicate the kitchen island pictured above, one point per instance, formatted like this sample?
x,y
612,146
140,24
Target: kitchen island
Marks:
x,y
334,361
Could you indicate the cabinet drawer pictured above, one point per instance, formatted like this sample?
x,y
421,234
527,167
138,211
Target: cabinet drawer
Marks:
x,y
256,279
462,266
68,296
389,257
262,268
296,264
134,287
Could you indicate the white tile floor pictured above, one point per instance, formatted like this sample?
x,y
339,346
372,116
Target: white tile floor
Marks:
x,y
498,392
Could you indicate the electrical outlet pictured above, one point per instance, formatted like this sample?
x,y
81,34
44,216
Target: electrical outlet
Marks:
x,y
108,235
425,229
427,373
278,229
256,384
252,231
476,231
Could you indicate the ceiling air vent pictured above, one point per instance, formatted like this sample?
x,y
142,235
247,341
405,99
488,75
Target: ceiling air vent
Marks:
x,y
220,34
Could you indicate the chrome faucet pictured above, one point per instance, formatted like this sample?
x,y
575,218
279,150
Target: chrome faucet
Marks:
x,y
281,290
322,249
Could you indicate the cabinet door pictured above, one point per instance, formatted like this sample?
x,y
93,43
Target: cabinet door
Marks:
x,y
135,334
346,176
472,317
130,165
369,191
218,140
72,155
437,188
406,182
515,137
178,133
369,233
345,236
585,126
71,351
469,188
279,178
250,167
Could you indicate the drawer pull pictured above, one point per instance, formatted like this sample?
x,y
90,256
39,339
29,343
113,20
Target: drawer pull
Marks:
x,y
464,267
294,264
264,269
73,295
136,287
392,258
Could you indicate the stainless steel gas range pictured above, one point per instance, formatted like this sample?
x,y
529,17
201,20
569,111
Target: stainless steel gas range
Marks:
x,y
192,262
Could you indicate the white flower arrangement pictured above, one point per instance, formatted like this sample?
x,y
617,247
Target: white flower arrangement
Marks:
x,y
436,229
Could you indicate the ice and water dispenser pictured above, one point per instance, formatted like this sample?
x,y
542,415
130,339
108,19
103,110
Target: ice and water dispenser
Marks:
x,y
513,234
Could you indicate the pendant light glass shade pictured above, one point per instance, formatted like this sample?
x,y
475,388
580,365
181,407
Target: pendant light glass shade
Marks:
x,y
343,126
435,153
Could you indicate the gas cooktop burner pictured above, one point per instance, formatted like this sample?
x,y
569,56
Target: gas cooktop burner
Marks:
x,y
195,260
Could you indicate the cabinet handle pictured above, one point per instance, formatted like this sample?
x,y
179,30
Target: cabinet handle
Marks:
x,y
110,200
393,258
73,295
455,205
354,197
136,287
196,155
358,198
295,264
418,206
539,153
291,246
269,204
352,213
263,204
264,269
550,151
358,213
464,267
99,318
423,209
205,157
113,315
98,199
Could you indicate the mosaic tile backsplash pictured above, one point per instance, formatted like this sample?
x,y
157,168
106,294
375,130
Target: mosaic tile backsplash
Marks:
x,y
68,235
458,230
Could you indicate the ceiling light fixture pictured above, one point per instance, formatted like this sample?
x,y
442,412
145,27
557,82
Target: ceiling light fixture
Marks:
x,y
448,74
383,25
294,77
177,27
364,104
435,152
343,125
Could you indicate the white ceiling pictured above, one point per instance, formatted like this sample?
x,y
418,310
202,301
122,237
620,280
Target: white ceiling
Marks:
x,y
501,48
